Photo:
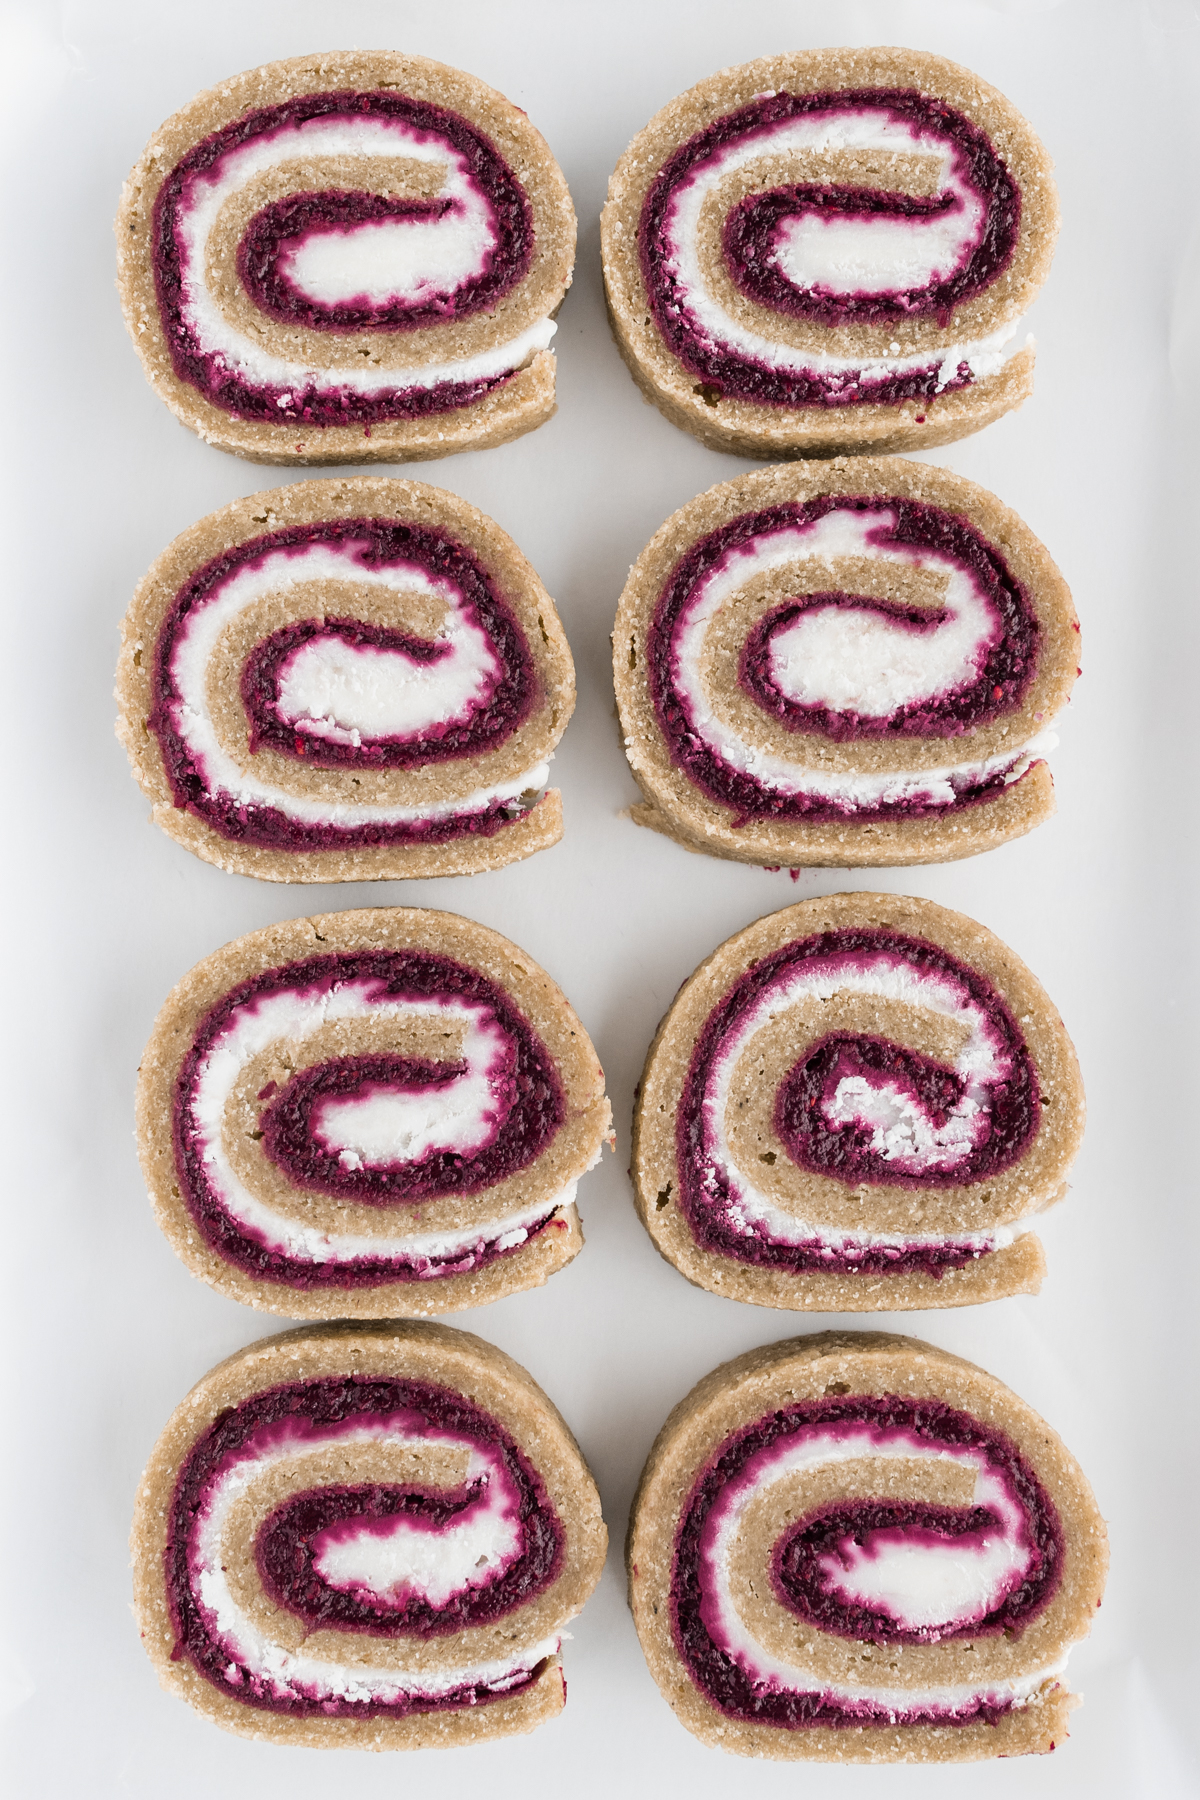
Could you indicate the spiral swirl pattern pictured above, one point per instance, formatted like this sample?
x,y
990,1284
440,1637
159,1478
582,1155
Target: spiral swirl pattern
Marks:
x,y
862,664
397,1536
860,1534
877,1100
340,253
347,694
816,246
370,1113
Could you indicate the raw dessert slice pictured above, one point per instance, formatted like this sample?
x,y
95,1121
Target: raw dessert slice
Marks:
x,y
367,1114
366,1538
349,257
347,680
861,1103
854,663
853,1547
830,251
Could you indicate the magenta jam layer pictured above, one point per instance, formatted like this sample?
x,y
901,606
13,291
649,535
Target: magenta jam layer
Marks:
x,y
472,1121
289,1543
816,1556
1005,662
507,692
750,245
279,229
964,1124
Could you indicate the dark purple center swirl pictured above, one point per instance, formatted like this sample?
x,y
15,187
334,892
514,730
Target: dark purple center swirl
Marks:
x,y
513,695
279,229
997,689
749,235
283,1546
534,1110
802,1587
841,1149
305,403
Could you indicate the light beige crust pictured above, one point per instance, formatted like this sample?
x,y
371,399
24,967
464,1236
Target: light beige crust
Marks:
x,y
675,806
576,1146
420,1351
874,1363
1032,1185
744,429
518,405
303,503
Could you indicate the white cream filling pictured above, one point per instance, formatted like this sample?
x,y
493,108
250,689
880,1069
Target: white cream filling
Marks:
x,y
453,1120
344,692
845,660
829,256
204,195
409,259
921,1587
428,1563
423,696
901,1131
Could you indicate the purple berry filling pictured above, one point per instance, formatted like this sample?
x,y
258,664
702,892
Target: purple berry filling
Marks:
x,y
280,228
211,374
751,230
799,1584
284,1544
1002,680
535,1112
388,542
842,1151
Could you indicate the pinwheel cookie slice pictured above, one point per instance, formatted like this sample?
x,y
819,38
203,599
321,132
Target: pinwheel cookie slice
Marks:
x,y
853,1547
861,1103
345,681
844,664
369,1114
829,252
366,1538
349,257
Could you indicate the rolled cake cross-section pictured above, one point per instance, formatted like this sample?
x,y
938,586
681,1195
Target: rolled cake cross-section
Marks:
x,y
370,1114
853,663
853,1547
829,252
366,1538
344,681
348,257
861,1103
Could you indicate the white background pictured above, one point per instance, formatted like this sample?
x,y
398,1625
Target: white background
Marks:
x,y
109,1331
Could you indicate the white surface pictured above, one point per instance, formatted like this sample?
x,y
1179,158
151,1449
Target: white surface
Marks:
x,y
106,913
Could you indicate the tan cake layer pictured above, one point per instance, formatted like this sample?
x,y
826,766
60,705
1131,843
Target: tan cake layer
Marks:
x,y
520,404
420,1351
434,783
877,1364
574,1148
747,429
1030,1186
677,806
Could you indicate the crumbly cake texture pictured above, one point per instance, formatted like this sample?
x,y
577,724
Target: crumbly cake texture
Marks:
x,y
1030,1185
743,428
678,807
312,502
812,1369
504,410
393,1350
576,1145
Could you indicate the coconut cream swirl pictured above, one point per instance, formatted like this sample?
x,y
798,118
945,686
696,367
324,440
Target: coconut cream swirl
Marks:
x,y
770,217
795,650
313,682
882,1520
309,257
366,1117
796,1084
345,1546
